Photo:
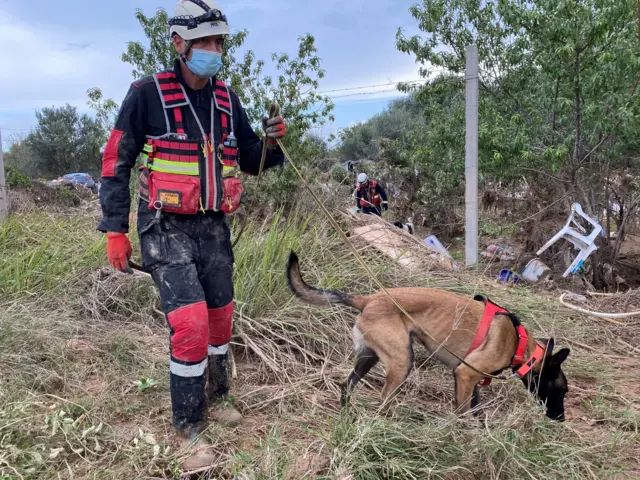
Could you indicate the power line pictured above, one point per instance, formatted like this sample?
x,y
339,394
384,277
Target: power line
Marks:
x,y
372,86
365,93
322,92
441,70
338,142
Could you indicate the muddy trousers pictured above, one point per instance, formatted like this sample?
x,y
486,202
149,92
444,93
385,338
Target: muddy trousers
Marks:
x,y
191,261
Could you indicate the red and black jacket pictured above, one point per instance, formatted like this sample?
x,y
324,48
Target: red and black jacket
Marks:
x,y
370,196
141,115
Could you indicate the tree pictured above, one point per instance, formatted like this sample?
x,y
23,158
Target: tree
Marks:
x,y
559,83
558,105
361,141
559,92
357,142
64,142
106,109
21,157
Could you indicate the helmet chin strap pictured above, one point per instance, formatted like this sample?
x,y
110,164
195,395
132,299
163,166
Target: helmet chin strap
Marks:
x,y
187,47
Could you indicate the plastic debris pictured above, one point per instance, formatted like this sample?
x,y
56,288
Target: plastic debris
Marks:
x,y
581,239
434,244
535,270
507,276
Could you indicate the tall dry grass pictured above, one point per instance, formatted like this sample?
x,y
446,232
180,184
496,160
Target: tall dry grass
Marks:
x,y
81,347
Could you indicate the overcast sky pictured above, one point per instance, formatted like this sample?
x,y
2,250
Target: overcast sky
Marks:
x,y
53,52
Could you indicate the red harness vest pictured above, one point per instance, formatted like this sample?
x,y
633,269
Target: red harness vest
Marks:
x,y
518,360
370,197
170,177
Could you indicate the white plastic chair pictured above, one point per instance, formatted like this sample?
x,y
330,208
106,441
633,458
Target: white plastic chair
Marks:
x,y
582,241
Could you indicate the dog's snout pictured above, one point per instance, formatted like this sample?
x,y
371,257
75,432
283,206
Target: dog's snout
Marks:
x,y
559,418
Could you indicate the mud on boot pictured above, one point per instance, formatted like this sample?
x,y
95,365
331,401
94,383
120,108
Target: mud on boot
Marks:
x,y
221,407
222,411
194,450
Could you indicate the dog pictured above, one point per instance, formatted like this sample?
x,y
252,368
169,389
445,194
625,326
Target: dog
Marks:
x,y
407,227
445,323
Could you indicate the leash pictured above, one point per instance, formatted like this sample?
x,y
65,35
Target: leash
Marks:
x,y
372,275
274,111
372,205
137,266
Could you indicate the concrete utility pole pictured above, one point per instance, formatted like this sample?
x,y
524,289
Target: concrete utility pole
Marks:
x,y
471,157
4,197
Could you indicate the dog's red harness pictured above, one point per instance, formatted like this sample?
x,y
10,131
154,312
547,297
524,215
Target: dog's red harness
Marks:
x,y
518,360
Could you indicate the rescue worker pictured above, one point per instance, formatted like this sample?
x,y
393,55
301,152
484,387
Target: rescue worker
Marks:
x,y
194,135
370,196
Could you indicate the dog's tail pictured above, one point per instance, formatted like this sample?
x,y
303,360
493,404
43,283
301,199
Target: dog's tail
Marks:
x,y
316,296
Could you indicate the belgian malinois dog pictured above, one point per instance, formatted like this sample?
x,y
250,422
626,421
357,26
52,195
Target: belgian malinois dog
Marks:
x,y
445,323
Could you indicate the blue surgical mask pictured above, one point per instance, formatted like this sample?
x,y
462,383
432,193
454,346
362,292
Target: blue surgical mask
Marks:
x,y
204,64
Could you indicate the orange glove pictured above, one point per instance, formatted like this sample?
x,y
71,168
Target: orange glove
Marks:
x,y
119,251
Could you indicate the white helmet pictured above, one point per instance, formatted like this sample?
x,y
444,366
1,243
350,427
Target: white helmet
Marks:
x,y
362,178
193,19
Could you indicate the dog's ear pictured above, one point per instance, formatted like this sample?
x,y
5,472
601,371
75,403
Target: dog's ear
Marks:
x,y
549,343
560,357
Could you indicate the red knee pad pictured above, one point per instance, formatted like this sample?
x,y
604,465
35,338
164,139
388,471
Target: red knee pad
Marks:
x,y
220,324
190,332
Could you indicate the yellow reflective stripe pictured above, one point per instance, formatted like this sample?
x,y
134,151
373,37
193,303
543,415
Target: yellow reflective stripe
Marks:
x,y
228,171
185,168
171,170
148,148
164,159
178,165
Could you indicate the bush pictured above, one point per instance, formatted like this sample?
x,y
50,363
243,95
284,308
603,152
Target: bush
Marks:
x,y
339,173
15,178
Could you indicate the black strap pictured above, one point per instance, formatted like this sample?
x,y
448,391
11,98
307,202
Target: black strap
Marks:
x,y
191,22
514,319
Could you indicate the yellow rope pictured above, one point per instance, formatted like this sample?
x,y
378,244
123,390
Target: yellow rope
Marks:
x,y
274,111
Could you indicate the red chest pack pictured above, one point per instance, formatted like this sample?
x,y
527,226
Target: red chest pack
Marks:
x,y
172,178
370,197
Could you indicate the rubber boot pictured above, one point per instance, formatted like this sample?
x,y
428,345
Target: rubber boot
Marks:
x,y
221,409
189,405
